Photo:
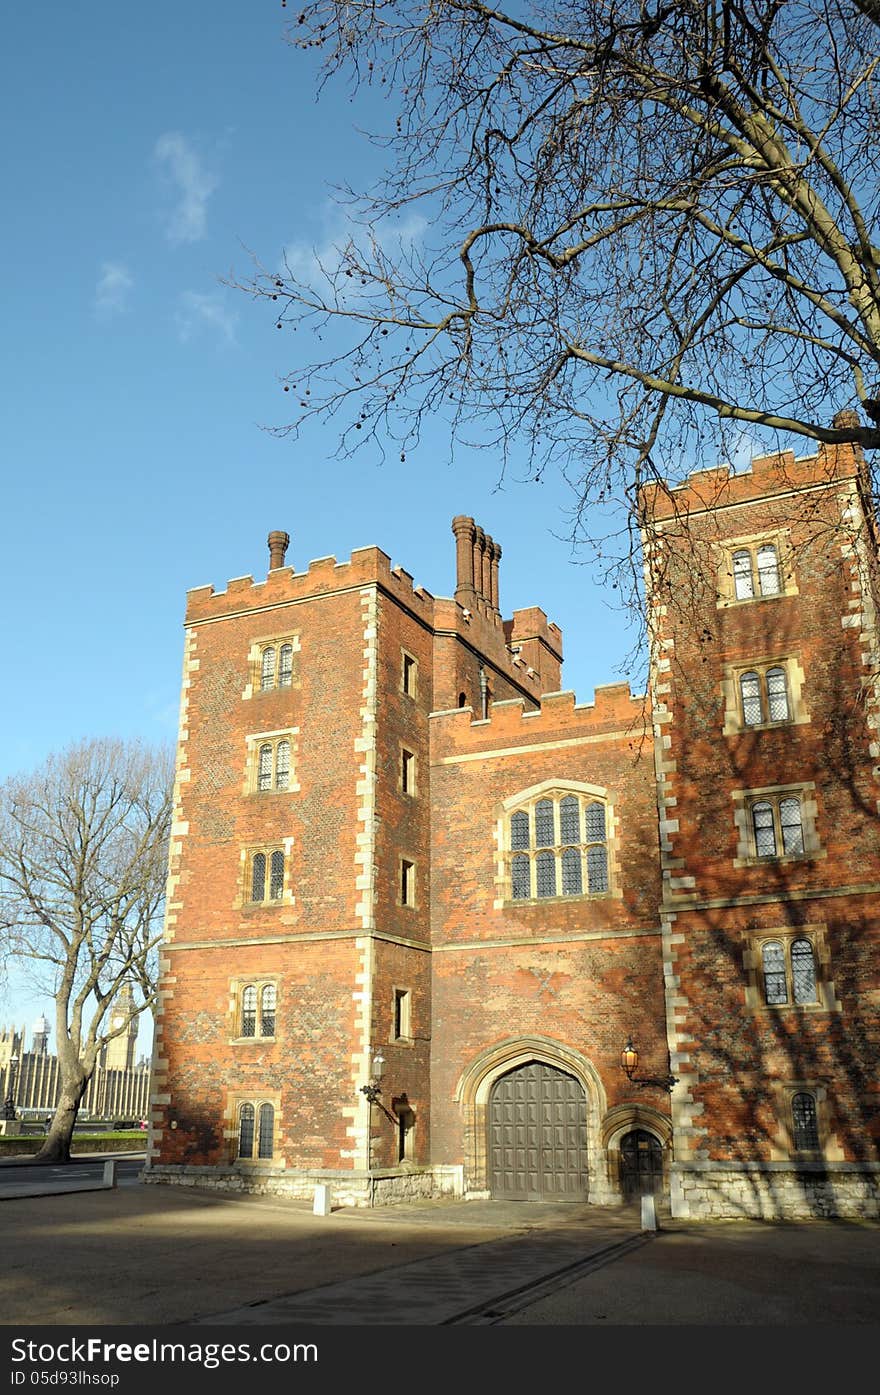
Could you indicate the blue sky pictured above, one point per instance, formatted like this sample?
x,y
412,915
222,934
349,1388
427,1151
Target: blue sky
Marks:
x,y
148,151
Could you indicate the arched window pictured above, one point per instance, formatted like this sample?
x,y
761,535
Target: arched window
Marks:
x,y
265,1146
768,570
805,1122
249,1011
742,575
264,779
258,877
285,665
246,1131
750,691
282,765
803,972
276,876
777,695
775,981
558,847
267,668
764,829
267,1010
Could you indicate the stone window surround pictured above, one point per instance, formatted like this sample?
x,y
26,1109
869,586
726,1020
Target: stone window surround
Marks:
x,y
409,674
554,789
734,722
805,791
252,764
407,869
782,1144
236,990
826,997
411,790
780,539
255,662
246,858
235,1100
401,1013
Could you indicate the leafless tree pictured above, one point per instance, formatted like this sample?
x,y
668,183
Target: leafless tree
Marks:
x,y
83,863
648,227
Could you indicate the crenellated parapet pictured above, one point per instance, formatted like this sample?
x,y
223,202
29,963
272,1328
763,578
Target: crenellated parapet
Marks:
x,y
367,566
615,712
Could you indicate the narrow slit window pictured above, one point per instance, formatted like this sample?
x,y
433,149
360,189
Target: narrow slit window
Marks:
x,y
401,1014
407,772
407,882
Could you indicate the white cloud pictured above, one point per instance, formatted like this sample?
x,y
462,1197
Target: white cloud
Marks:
x,y
188,219
310,263
204,312
111,292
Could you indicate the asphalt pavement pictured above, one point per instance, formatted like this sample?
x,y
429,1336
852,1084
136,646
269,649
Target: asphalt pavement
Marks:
x,y
158,1255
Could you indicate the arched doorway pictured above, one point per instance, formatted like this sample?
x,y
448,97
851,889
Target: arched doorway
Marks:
x,y
537,1135
641,1165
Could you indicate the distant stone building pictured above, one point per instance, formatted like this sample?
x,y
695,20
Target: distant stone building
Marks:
x,y
119,1087
396,837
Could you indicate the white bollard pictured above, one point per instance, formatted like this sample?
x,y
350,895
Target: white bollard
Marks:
x,y
322,1200
649,1213
110,1172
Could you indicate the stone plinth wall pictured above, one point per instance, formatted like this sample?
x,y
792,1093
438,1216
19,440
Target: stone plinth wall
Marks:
x,y
386,1188
776,1191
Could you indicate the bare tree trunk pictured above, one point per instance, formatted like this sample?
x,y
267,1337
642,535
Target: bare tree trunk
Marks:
x,y
57,1145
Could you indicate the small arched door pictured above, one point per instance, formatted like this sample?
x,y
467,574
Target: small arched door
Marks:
x,y
641,1165
538,1135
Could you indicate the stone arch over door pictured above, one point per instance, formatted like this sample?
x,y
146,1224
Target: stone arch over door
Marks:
x,y
627,1127
475,1089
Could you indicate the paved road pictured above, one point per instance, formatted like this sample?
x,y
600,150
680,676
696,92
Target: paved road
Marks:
x,y
20,1179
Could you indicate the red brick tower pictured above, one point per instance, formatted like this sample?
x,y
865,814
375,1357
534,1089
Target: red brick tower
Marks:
x,y
765,684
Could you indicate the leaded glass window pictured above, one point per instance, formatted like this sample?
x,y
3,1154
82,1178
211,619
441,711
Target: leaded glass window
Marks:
x,y
775,983
558,848
805,1121
249,1011
803,972
544,824
597,869
258,877
264,778
267,668
750,689
519,877
569,820
545,874
768,570
282,765
285,666
276,876
267,1010
742,575
265,1146
246,1131
572,881
792,828
765,832
519,830
777,695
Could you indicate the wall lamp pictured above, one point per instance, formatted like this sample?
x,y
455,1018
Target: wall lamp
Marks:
x,y
373,1091
629,1064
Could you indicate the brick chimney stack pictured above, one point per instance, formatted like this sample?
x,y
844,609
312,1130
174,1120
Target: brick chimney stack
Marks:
x,y
476,565
279,542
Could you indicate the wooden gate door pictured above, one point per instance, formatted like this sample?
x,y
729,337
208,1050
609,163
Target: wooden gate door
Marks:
x,y
538,1136
641,1165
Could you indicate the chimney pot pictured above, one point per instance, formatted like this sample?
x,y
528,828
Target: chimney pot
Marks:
x,y
279,542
